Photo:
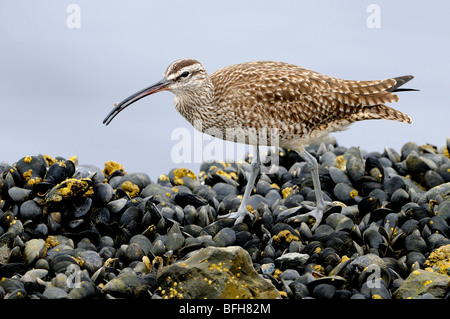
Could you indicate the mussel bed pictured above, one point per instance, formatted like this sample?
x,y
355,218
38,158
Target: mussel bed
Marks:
x,y
78,231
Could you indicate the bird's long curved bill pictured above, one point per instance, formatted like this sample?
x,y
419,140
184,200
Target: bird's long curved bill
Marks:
x,y
157,87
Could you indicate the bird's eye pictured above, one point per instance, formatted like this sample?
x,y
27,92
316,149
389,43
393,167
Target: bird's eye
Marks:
x,y
185,74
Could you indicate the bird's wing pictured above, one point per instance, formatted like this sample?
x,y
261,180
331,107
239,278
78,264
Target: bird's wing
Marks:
x,y
285,92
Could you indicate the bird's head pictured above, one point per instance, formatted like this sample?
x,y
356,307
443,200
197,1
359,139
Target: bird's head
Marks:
x,y
181,77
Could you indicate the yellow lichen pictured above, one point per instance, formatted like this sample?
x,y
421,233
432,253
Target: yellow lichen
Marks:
x,y
131,189
78,260
283,293
28,159
319,268
286,191
225,164
285,236
178,181
111,167
376,296
353,193
275,185
277,273
179,173
440,260
50,160
341,163
182,172
27,175
70,188
74,159
250,209
51,241
163,178
427,282
34,180
447,152
394,231
231,175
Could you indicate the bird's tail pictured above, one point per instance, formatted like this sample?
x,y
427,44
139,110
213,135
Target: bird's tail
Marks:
x,y
399,82
382,112
373,107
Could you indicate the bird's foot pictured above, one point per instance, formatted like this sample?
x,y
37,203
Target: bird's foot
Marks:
x,y
239,215
315,211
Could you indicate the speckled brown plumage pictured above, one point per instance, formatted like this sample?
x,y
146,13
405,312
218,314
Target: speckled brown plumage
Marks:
x,y
264,96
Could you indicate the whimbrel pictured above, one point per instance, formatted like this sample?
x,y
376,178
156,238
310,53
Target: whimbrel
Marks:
x,y
265,98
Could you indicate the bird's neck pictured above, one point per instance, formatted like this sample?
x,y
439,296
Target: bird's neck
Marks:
x,y
196,106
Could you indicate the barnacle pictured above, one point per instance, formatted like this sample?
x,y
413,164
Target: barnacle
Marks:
x,y
285,236
111,167
71,187
179,173
131,189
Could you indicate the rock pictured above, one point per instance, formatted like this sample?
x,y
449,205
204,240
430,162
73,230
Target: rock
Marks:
x,y
214,273
127,284
439,260
421,282
291,260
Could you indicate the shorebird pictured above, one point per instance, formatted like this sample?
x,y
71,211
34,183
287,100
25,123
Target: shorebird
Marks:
x,y
260,102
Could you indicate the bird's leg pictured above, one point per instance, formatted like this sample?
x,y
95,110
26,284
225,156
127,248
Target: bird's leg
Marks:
x,y
317,212
242,211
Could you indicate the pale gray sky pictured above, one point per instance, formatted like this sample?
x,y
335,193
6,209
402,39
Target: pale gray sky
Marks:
x,y
58,83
